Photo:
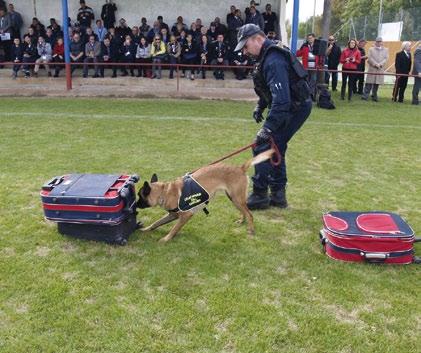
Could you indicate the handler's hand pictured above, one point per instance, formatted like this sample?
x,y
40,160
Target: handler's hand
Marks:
x,y
257,115
263,136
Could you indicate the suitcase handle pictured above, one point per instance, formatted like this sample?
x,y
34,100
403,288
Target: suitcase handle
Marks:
x,y
51,184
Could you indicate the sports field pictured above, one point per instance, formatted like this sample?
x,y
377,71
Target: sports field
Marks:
x,y
211,289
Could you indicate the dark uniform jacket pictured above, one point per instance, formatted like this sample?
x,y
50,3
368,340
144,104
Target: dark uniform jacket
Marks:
x,y
218,50
108,14
17,52
111,51
333,57
403,62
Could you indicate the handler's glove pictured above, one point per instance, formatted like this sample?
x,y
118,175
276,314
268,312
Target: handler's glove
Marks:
x,y
263,136
257,114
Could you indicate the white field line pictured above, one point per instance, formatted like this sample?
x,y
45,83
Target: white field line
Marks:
x,y
193,119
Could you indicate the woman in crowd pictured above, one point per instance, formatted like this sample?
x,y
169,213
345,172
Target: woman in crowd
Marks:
x,y
143,55
127,55
189,52
204,54
350,58
58,56
17,55
158,52
174,52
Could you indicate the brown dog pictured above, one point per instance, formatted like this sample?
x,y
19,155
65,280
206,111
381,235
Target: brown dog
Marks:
x,y
210,179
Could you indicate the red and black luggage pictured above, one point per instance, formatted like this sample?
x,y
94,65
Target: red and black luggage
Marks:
x,y
381,237
98,207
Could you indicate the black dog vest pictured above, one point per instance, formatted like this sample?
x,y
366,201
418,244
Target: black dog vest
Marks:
x,y
192,195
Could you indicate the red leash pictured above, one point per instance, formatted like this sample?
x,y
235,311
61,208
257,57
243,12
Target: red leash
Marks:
x,y
275,160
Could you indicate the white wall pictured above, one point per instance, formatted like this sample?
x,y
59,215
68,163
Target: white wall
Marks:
x,y
134,10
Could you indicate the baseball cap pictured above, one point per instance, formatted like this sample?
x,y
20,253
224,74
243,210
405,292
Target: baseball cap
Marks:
x,y
244,33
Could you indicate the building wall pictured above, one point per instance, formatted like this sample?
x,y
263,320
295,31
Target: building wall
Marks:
x,y
134,10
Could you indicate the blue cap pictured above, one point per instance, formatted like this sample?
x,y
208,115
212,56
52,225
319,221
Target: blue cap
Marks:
x,y
244,33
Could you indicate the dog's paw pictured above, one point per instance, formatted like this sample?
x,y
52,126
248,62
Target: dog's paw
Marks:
x,y
239,221
163,240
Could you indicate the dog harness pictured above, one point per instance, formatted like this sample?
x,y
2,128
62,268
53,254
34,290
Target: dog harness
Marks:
x,y
192,196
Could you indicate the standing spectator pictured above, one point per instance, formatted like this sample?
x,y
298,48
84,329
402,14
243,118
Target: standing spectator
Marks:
x,y
158,52
17,56
219,56
92,56
31,34
143,56
178,26
240,60
135,34
85,15
109,54
85,36
270,20
416,71
38,27
231,15
54,26
122,31
153,32
5,33
189,54
247,9
29,55
212,33
144,27
333,55
310,62
174,52
204,55
255,18
377,58
220,27
403,64
45,55
77,50
100,31
128,55
162,24
16,21
199,24
359,78
195,33
350,58
234,24
108,13
58,56
50,37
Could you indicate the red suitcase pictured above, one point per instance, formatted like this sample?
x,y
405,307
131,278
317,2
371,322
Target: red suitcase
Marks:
x,y
380,237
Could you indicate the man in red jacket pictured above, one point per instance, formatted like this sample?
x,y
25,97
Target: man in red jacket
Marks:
x,y
310,62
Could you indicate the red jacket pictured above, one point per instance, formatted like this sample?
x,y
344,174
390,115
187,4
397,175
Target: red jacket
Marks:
x,y
355,58
58,49
303,52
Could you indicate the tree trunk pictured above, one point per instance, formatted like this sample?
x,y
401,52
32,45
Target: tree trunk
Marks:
x,y
327,12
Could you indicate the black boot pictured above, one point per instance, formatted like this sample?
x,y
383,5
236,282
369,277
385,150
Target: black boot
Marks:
x,y
258,200
278,198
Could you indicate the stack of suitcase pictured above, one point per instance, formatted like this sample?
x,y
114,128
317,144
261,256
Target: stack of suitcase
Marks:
x,y
380,237
98,207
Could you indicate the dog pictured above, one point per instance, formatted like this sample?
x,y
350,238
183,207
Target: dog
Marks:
x,y
210,179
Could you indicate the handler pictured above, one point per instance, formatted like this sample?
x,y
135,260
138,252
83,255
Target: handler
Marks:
x,y
281,83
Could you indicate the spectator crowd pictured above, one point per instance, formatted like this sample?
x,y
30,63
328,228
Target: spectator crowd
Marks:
x,y
94,42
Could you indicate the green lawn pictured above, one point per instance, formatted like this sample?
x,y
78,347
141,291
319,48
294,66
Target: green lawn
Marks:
x,y
211,289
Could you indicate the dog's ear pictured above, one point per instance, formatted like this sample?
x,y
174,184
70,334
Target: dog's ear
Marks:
x,y
146,189
154,178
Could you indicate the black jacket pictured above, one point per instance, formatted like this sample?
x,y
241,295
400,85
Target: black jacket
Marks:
x,y
403,63
218,51
17,52
333,57
111,51
108,14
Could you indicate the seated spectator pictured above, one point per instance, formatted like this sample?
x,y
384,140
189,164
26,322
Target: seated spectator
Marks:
x,y
178,26
32,35
85,37
255,18
77,51
85,15
212,33
100,31
195,33
165,37
144,27
204,54
162,24
219,56
204,31
29,55
270,20
50,37
143,56
54,26
158,52
240,61
220,27
182,38
122,31
92,55
189,54
135,34
128,55
199,24
153,32
174,53
17,56
109,54
58,56
38,27
45,55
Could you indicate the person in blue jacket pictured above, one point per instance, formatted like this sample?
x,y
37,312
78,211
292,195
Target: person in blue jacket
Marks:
x,y
281,84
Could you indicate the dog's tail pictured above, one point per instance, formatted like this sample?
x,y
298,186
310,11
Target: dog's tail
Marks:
x,y
264,156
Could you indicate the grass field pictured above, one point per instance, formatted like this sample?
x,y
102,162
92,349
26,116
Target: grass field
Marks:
x,y
211,289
